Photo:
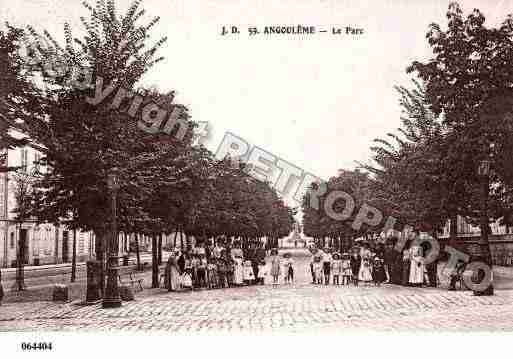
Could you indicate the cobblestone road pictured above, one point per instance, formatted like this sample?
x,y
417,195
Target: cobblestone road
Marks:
x,y
288,308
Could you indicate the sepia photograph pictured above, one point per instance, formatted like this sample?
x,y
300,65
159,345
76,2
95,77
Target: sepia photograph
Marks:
x,y
266,170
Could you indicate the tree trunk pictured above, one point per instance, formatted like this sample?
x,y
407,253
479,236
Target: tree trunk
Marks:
x,y
159,248
100,248
74,258
154,262
174,239
181,241
453,234
137,251
20,262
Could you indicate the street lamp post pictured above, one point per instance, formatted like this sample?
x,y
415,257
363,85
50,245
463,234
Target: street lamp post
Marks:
x,y
111,298
484,254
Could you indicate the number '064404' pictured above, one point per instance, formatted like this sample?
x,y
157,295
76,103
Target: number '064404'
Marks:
x,y
26,346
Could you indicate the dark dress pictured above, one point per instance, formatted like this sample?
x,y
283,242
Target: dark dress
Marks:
x,y
390,264
355,265
405,272
378,273
181,263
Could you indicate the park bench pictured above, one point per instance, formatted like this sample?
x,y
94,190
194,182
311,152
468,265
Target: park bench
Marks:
x,y
132,280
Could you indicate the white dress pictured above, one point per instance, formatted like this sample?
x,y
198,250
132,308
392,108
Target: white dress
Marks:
x,y
238,272
417,267
248,271
365,274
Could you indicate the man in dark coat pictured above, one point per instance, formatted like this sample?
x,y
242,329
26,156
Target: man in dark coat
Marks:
x,y
355,261
181,263
390,258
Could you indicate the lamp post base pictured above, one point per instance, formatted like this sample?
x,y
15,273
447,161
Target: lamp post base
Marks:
x,y
112,299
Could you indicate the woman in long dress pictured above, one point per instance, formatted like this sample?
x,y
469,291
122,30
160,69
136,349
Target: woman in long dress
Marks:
x,y
417,266
172,276
275,266
238,271
365,274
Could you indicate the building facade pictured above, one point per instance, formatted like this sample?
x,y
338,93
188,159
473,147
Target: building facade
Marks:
x,y
44,243
47,243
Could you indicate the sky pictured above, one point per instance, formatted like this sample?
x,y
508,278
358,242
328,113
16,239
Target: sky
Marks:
x,y
315,101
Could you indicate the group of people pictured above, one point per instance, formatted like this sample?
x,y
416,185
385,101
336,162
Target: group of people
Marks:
x,y
215,267
373,263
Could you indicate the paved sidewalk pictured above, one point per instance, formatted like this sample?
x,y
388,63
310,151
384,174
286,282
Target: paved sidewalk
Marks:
x,y
296,307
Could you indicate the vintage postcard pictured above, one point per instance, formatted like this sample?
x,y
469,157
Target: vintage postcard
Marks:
x,y
236,167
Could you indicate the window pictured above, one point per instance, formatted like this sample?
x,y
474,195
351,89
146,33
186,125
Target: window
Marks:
x,y
24,159
12,240
37,157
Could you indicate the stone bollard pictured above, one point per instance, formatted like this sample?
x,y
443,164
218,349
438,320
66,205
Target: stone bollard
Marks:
x,y
60,293
126,293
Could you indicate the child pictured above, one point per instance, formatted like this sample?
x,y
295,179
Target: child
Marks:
x,y
456,274
318,272
212,274
289,269
201,271
347,273
326,268
262,272
222,273
194,273
249,275
186,281
336,268
378,271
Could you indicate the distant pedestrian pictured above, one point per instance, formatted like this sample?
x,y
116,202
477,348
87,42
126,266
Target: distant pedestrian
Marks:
x,y
405,266
201,271
262,272
318,270
356,261
249,274
347,272
326,266
181,263
378,271
171,274
238,271
365,274
289,268
275,266
417,267
336,268
389,261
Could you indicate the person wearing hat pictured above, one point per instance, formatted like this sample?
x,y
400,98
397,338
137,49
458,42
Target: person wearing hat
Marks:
x,y
346,269
336,268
